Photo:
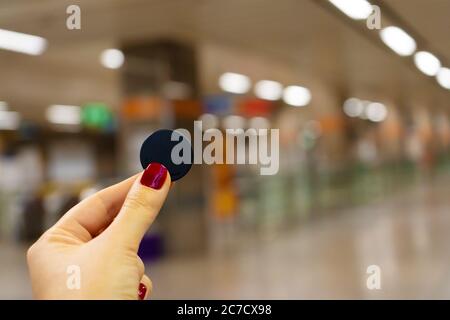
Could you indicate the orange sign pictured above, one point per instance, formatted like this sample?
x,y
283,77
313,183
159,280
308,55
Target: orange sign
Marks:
x,y
190,109
142,108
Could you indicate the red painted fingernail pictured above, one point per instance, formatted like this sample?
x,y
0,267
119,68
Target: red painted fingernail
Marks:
x,y
154,176
142,291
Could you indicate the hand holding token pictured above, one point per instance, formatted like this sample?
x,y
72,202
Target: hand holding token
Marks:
x,y
98,239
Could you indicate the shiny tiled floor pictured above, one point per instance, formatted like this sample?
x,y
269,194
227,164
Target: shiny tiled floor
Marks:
x,y
407,236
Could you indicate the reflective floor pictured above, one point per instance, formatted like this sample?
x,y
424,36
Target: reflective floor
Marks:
x,y
407,236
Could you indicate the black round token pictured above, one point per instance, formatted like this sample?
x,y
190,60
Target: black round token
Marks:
x,y
158,148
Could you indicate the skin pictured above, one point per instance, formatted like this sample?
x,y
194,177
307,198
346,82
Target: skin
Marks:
x,y
101,235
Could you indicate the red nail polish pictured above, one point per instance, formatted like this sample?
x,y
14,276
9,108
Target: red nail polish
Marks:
x,y
142,291
154,176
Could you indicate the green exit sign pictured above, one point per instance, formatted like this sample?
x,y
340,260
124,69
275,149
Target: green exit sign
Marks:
x,y
96,115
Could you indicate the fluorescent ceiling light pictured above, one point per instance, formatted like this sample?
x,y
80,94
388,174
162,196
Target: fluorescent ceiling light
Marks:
x,y
427,63
9,120
355,9
296,96
62,114
112,58
21,42
398,40
376,112
443,78
365,104
268,90
353,107
234,83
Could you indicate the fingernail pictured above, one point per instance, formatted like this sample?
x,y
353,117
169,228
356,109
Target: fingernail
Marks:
x,y
142,291
154,176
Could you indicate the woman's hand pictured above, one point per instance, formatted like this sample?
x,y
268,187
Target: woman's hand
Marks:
x,y
100,238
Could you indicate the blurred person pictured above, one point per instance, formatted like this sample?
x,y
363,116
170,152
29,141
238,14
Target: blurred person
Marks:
x,y
101,236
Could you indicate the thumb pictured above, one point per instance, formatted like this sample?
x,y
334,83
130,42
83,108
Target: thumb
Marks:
x,y
141,206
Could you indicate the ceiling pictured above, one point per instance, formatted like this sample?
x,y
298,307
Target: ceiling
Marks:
x,y
303,33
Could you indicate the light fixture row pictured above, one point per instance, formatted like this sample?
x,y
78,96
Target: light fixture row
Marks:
x,y
364,109
293,95
398,40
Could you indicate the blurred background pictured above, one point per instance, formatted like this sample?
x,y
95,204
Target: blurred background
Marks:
x,y
362,105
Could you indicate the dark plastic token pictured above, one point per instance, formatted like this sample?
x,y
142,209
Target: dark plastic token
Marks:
x,y
158,148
